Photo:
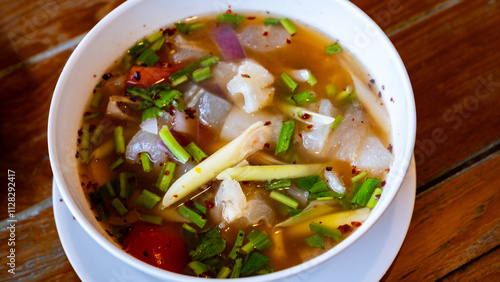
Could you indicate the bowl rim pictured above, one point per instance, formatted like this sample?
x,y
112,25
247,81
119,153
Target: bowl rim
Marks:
x,y
315,262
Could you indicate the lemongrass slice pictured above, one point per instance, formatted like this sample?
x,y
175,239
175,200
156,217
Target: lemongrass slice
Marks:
x,y
251,140
304,115
269,172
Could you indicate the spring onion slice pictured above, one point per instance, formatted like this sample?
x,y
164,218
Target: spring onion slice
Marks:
x,y
230,18
285,136
325,230
103,151
238,263
288,25
358,177
174,146
119,207
192,216
151,219
96,136
306,97
119,140
117,163
96,100
147,199
278,183
374,198
269,172
284,199
146,162
337,122
196,152
189,228
202,74
289,82
148,57
84,150
250,141
255,262
363,195
271,21
333,49
304,115
224,272
166,175
316,241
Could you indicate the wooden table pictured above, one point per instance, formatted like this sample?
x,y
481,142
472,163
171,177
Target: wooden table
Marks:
x,y
451,49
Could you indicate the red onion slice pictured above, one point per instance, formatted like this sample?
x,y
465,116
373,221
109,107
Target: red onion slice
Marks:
x,y
228,43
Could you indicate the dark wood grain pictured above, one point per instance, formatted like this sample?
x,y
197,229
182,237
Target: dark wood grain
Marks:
x,y
484,268
452,224
30,27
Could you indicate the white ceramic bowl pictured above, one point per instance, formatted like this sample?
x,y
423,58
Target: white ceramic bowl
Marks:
x,y
119,30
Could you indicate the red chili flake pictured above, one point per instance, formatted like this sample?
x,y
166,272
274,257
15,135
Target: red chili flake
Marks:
x,y
175,196
251,18
137,76
381,104
352,119
167,172
189,203
392,100
383,87
329,168
377,197
89,185
267,123
383,183
169,31
353,169
356,223
95,75
209,204
387,169
97,218
346,228
77,155
190,113
245,75
92,127
86,114
390,148
229,10
203,216
83,184
245,182
309,126
305,116
161,164
170,45
265,33
95,185
74,218
379,94
107,76
288,41
300,135
266,145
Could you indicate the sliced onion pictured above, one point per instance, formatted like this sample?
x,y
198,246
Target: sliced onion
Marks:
x,y
228,43
150,125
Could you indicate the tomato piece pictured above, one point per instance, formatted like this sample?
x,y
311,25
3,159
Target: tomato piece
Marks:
x,y
160,246
146,76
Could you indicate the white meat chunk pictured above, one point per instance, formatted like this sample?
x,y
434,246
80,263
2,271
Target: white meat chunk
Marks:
x,y
186,50
373,156
238,121
314,138
264,38
251,87
144,141
230,196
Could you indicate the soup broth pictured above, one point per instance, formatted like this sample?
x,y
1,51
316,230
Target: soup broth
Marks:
x,y
162,141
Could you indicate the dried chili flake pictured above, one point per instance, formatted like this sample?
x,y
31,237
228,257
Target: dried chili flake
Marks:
x,y
356,223
346,228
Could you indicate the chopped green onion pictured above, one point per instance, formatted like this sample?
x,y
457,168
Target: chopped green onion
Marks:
x,y
127,184
198,267
117,163
311,80
363,195
324,195
230,18
146,162
185,28
278,183
102,211
255,262
345,95
224,272
174,146
165,98
315,241
166,175
325,230
306,183
151,219
189,228
119,206
127,61
331,90
147,199
374,198
284,199
192,216
155,36
288,25
138,47
140,92
325,198
271,21
238,263
107,191
96,100
237,244
104,150
337,121
306,97
96,136
157,44
304,115
333,49
151,113
319,186
257,240
178,80
208,60
285,136
148,57
84,150
196,152
199,207
119,140
289,82
358,177
202,74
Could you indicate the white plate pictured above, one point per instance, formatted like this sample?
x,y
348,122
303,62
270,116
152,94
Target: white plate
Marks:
x,y
366,260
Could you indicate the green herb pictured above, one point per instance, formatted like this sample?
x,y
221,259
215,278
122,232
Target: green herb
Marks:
x,y
146,162
315,241
127,184
96,136
324,195
192,216
284,199
208,60
337,122
151,113
119,140
285,136
224,272
96,100
255,262
140,92
202,74
271,21
102,211
294,212
312,79
346,95
198,267
238,263
166,175
117,163
154,37
92,116
157,44
288,25
306,183
305,97
358,177
209,244
374,198
148,57
289,82
230,18
147,199
151,219
185,28
257,240
325,230
165,98
278,183
196,152
127,61
138,47
119,206
174,146
189,228
319,186
363,195
199,207
331,90
333,49
237,244
107,191
84,150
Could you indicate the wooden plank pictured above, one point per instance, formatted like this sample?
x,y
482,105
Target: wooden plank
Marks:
x,y
23,134
485,268
38,252
454,65
30,27
452,224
